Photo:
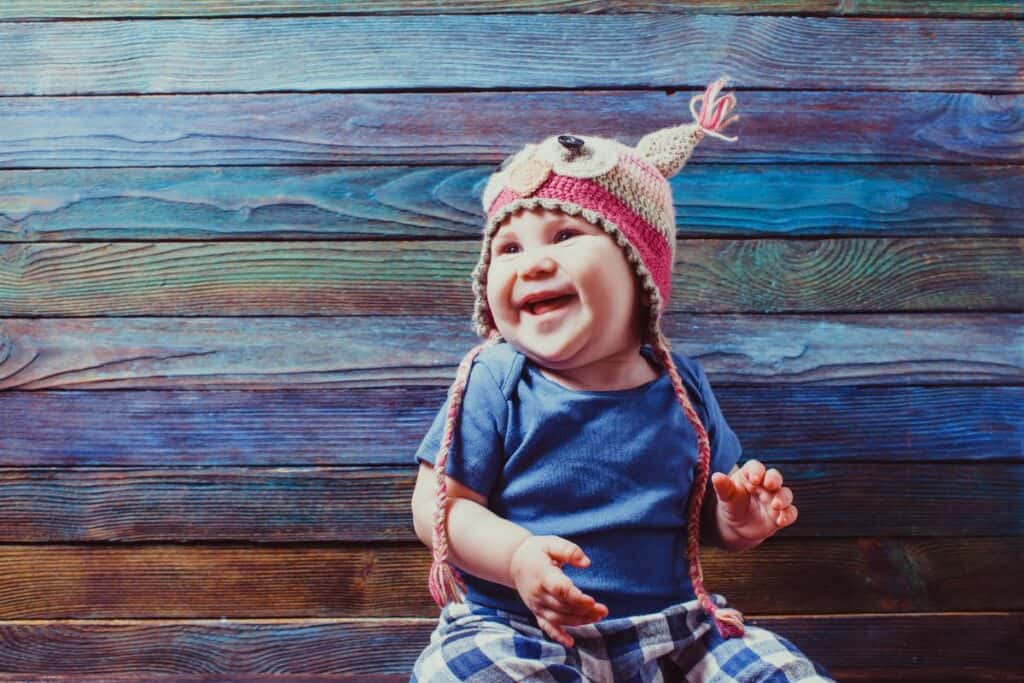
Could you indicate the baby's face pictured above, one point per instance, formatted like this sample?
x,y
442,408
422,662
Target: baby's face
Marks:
x,y
538,250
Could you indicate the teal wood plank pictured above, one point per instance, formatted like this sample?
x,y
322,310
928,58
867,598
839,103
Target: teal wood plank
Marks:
x,y
305,504
384,426
389,351
275,203
441,128
508,51
271,278
89,9
899,643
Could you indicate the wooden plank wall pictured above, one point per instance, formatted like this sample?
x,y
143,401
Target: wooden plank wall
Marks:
x,y
235,248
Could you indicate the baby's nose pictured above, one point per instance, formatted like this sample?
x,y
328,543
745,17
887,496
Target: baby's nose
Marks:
x,y
540,262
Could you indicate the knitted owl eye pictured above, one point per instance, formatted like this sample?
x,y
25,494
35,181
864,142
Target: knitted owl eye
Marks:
x,y
578,157
517,172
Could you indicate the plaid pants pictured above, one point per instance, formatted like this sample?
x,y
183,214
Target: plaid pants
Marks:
x,y
473,642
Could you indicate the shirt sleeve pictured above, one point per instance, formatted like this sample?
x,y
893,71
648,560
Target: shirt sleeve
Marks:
x,y
477,451
725,445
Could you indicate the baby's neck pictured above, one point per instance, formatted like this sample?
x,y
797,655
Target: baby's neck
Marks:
x,y
613,373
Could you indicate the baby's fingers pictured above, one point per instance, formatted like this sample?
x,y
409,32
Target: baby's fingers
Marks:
x,y
575,613
563,596
562,618
554,632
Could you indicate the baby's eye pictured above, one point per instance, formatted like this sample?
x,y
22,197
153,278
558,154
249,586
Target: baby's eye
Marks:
x,y
504,249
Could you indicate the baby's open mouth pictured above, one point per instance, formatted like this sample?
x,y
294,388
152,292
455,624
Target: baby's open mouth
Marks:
x,y
539,307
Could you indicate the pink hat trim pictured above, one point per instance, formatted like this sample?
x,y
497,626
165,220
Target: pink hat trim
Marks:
x,y
650,244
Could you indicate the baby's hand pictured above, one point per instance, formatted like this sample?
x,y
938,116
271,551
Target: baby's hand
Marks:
x,y
547,591
753,502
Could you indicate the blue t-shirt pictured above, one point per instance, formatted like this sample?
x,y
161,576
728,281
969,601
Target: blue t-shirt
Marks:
x,y
608,470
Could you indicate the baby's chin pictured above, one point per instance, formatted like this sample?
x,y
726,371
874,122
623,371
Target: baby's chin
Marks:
x,y
559,348
561,358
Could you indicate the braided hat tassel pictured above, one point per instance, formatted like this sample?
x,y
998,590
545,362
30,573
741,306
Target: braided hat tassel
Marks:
x,y
444,581
728,621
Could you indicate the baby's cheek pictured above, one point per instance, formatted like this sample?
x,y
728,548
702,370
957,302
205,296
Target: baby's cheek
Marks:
x,y
499,294
493,290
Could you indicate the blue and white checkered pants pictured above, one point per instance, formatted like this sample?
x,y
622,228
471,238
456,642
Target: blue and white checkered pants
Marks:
x,y
473,642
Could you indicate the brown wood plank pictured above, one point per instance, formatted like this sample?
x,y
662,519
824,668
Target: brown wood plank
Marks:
x,y
242,581
930,674
518,51
322,504
111,9
319,130
872,675
389,351
896,643
229,677
971,674
430,277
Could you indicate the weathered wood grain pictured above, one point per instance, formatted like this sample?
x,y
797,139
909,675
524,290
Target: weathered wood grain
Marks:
x,y
399,351
441,128
384,426
971,674
917,674
234,677
413,202
329,504
89,9
508,51
432,277
899,643
798,576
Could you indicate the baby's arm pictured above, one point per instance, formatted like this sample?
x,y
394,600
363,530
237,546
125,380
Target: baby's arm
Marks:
x,y
479,541
500,551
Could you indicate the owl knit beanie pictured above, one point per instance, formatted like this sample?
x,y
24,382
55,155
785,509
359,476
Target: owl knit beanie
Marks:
x,y
624,191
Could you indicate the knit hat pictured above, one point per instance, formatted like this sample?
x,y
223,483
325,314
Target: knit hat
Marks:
x,y
624,191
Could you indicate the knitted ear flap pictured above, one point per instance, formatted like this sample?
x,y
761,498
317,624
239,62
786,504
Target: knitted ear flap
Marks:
x,y
668,149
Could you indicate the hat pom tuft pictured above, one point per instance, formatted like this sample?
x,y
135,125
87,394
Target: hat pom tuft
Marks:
x,y
714,110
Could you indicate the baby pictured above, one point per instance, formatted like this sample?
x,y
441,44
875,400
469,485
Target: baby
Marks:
x,y
571,474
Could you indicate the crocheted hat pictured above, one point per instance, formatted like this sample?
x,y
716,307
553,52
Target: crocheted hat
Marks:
x,y
624,191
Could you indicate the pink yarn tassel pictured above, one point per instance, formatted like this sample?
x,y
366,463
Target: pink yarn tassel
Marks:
x,y
714,110
729,622
445,583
